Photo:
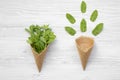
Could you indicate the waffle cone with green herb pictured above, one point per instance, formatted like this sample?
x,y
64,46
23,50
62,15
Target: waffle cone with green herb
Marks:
x,y
84,46
40,38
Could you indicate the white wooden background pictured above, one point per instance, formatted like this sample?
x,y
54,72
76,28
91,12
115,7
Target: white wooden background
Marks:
x,y
62,61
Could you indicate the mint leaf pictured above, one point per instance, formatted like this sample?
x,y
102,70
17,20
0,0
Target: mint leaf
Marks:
x,y
94,15
70,30
83,25
98,29
83,6
70,18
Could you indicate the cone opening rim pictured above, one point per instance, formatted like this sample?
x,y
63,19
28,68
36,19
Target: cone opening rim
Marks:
x,y
40,52
90,42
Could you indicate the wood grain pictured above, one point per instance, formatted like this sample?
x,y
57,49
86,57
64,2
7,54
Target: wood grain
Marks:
x,y
62,59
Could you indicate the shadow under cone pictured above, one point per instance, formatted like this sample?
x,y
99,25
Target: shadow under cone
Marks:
x,y
84,46
39,58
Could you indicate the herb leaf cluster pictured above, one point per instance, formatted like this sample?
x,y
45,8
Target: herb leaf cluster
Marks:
x,y
40,37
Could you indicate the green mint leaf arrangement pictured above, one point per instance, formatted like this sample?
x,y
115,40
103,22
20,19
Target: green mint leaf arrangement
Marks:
x,y
84,44
83,23
40,37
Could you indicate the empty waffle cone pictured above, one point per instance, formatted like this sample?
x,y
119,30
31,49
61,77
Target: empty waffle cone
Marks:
x,y
84,46
39,58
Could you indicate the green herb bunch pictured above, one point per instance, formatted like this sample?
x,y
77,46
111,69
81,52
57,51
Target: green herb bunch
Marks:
x,y
40,37
83,23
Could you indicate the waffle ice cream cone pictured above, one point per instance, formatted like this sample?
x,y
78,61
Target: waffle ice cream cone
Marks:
x,y
84,46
